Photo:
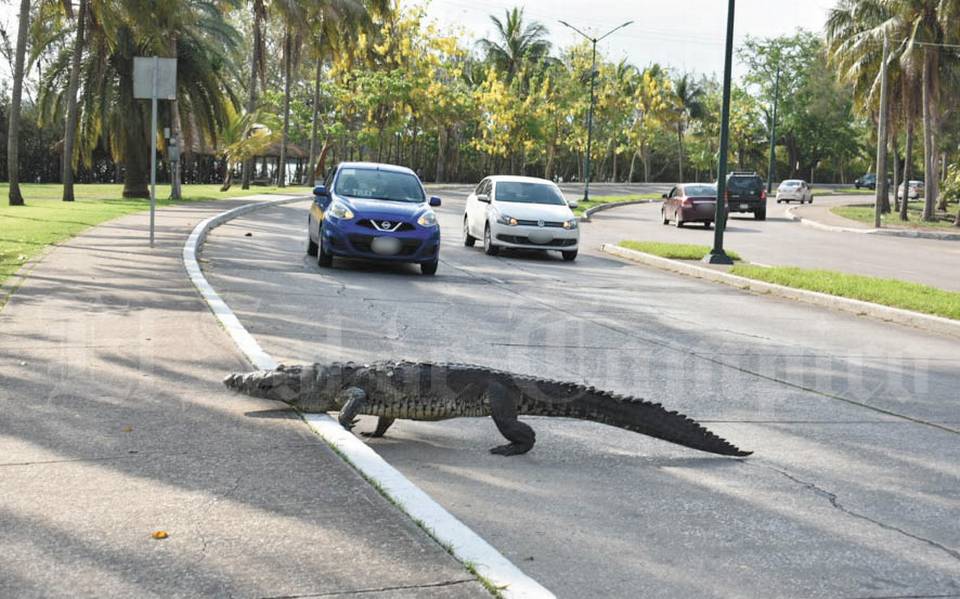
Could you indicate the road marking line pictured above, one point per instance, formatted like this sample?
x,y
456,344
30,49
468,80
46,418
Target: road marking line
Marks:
x,y
465,545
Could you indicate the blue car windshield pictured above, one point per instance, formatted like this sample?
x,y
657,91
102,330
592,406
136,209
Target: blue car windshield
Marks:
x,y
375,184
528,193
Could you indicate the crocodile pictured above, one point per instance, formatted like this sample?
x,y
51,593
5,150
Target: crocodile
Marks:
x,y
427,391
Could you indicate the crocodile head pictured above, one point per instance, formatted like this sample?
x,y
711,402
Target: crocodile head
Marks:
x,y
309,388
281,384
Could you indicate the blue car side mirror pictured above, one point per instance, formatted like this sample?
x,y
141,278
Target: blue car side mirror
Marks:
x,y
434,201
320,191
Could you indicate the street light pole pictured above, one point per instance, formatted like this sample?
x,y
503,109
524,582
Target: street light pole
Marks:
x,y
593,81
773,134
717,255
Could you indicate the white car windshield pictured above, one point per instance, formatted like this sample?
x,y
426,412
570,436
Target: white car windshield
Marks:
x,y
379,185
791,184
524,192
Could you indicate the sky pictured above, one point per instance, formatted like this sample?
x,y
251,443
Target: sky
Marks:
x,y
687,35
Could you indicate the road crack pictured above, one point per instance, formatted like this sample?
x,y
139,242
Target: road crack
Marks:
x,y
835,502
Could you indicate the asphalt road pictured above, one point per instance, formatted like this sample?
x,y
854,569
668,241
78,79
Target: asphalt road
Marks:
x,y
782,241
854,488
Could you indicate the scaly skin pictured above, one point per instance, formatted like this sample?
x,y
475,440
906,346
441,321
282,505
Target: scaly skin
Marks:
x,y
424,391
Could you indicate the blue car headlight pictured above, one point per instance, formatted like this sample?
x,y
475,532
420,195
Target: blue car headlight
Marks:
x,y
428,219
339,211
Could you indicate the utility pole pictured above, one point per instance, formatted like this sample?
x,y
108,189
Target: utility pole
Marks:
x,y
773,133
593,81
717,255
882,192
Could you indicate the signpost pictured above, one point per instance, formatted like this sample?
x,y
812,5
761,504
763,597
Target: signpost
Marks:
x,y
154,78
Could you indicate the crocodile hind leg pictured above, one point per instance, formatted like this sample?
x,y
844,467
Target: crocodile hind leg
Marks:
x,y
504,412
383,423
352,401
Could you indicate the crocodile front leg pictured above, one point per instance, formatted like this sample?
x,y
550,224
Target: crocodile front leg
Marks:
x,y
352,400
503,408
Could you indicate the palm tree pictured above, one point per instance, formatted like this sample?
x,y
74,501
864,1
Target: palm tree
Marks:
x,y
110,116
70,127
48,27
15,198
689,99
918,29
335,27
257,71
518,45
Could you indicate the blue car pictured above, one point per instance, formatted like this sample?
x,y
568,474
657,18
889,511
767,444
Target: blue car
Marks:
x,y
374,212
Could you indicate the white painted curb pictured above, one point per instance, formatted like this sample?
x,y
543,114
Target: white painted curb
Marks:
x,y
945,236
927,322
466,545
591,211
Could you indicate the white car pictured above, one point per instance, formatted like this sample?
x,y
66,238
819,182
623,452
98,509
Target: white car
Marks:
x,y
794,190
916,189
520,212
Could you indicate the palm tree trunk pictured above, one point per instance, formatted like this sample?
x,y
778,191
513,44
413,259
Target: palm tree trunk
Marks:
x,y
941,176
441,151
255,60
175,127
907,169
896,173
680,147
15,198
928,150
287,58
312,160
70,129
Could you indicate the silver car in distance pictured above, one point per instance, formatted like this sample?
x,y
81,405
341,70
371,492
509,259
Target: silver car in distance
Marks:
x,y
522,213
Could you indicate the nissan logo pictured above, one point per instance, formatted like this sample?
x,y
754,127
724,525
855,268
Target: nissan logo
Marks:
x,y
386,224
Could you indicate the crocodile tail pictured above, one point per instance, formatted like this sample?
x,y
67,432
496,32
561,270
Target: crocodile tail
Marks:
x,y
630,413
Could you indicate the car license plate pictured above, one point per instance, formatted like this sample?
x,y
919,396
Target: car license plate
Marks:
x,y
744,206
385,246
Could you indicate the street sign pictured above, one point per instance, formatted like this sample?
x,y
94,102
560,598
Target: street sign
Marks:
x,y
143,69
154,78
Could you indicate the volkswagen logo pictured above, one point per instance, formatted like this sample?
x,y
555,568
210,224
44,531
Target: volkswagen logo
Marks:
x,y
386,224
540,223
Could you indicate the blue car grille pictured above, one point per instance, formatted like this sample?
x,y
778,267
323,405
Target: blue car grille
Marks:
x,y
385,225
362,243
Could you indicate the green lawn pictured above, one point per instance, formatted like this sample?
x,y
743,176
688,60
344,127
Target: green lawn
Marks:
x,y
848,191
26,230
888,292
677,251
864,213
598,200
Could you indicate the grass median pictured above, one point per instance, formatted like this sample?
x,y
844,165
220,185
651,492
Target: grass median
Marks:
x,y
621,199
888,292
675,251
864,213
45,220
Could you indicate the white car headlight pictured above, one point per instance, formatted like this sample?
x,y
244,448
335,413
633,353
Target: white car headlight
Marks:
x,y
570,224
428,219
503,219
339,211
